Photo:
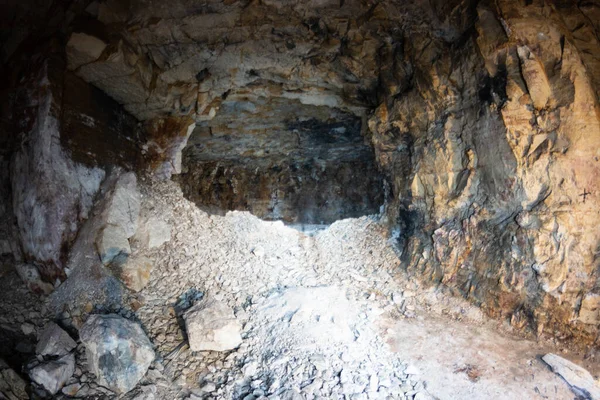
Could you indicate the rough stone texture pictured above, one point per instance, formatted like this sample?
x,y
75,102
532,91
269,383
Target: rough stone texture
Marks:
x,y
152,232
90,282
486,128
119,353
112,244
580,380
54,341
51,193
211,325
30,275
493,157
61,134
52,375
135,272
83,49
124,206
12,386
301,163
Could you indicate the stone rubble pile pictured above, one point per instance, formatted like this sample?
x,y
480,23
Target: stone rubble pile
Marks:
x,y
235,308
55,362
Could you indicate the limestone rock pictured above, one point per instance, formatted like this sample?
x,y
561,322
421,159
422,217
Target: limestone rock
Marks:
x,y
112,244
579,379
119,352
52,375
31,276
54,341
135,272
152,232
124,207
211,325
589,313
82,49
12,386
52,194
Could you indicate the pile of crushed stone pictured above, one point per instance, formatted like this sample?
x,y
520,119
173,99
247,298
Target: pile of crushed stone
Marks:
x,y
311,343
308,303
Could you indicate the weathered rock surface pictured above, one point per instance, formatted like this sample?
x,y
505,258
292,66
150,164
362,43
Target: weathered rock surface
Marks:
x,y
51,193
112,244
54,341
52,375
135,272
119,353
492,157
152,232
12,386
580,380
123,209
486,130
211,325
30,274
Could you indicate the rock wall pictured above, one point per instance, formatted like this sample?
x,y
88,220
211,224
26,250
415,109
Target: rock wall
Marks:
x,y
64,134
484,119
494,157
282,160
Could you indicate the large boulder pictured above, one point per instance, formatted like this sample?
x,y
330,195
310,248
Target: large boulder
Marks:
x,y
119,352
211,325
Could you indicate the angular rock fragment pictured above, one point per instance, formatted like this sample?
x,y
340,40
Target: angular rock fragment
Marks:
x,y
579,379
112,244
52,375
135,272
54,341
119,352
589,312
124,207
211,325
83,49
12,386
31,276
55,347
152,232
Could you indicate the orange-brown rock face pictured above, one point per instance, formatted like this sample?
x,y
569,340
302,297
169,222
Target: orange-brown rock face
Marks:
x,y
499,190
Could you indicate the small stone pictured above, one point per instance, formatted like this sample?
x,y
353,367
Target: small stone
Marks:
x,y
118,351
32,278
52,375
411,370
54,341
250,369
208,387
71,390
27,329
211,325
